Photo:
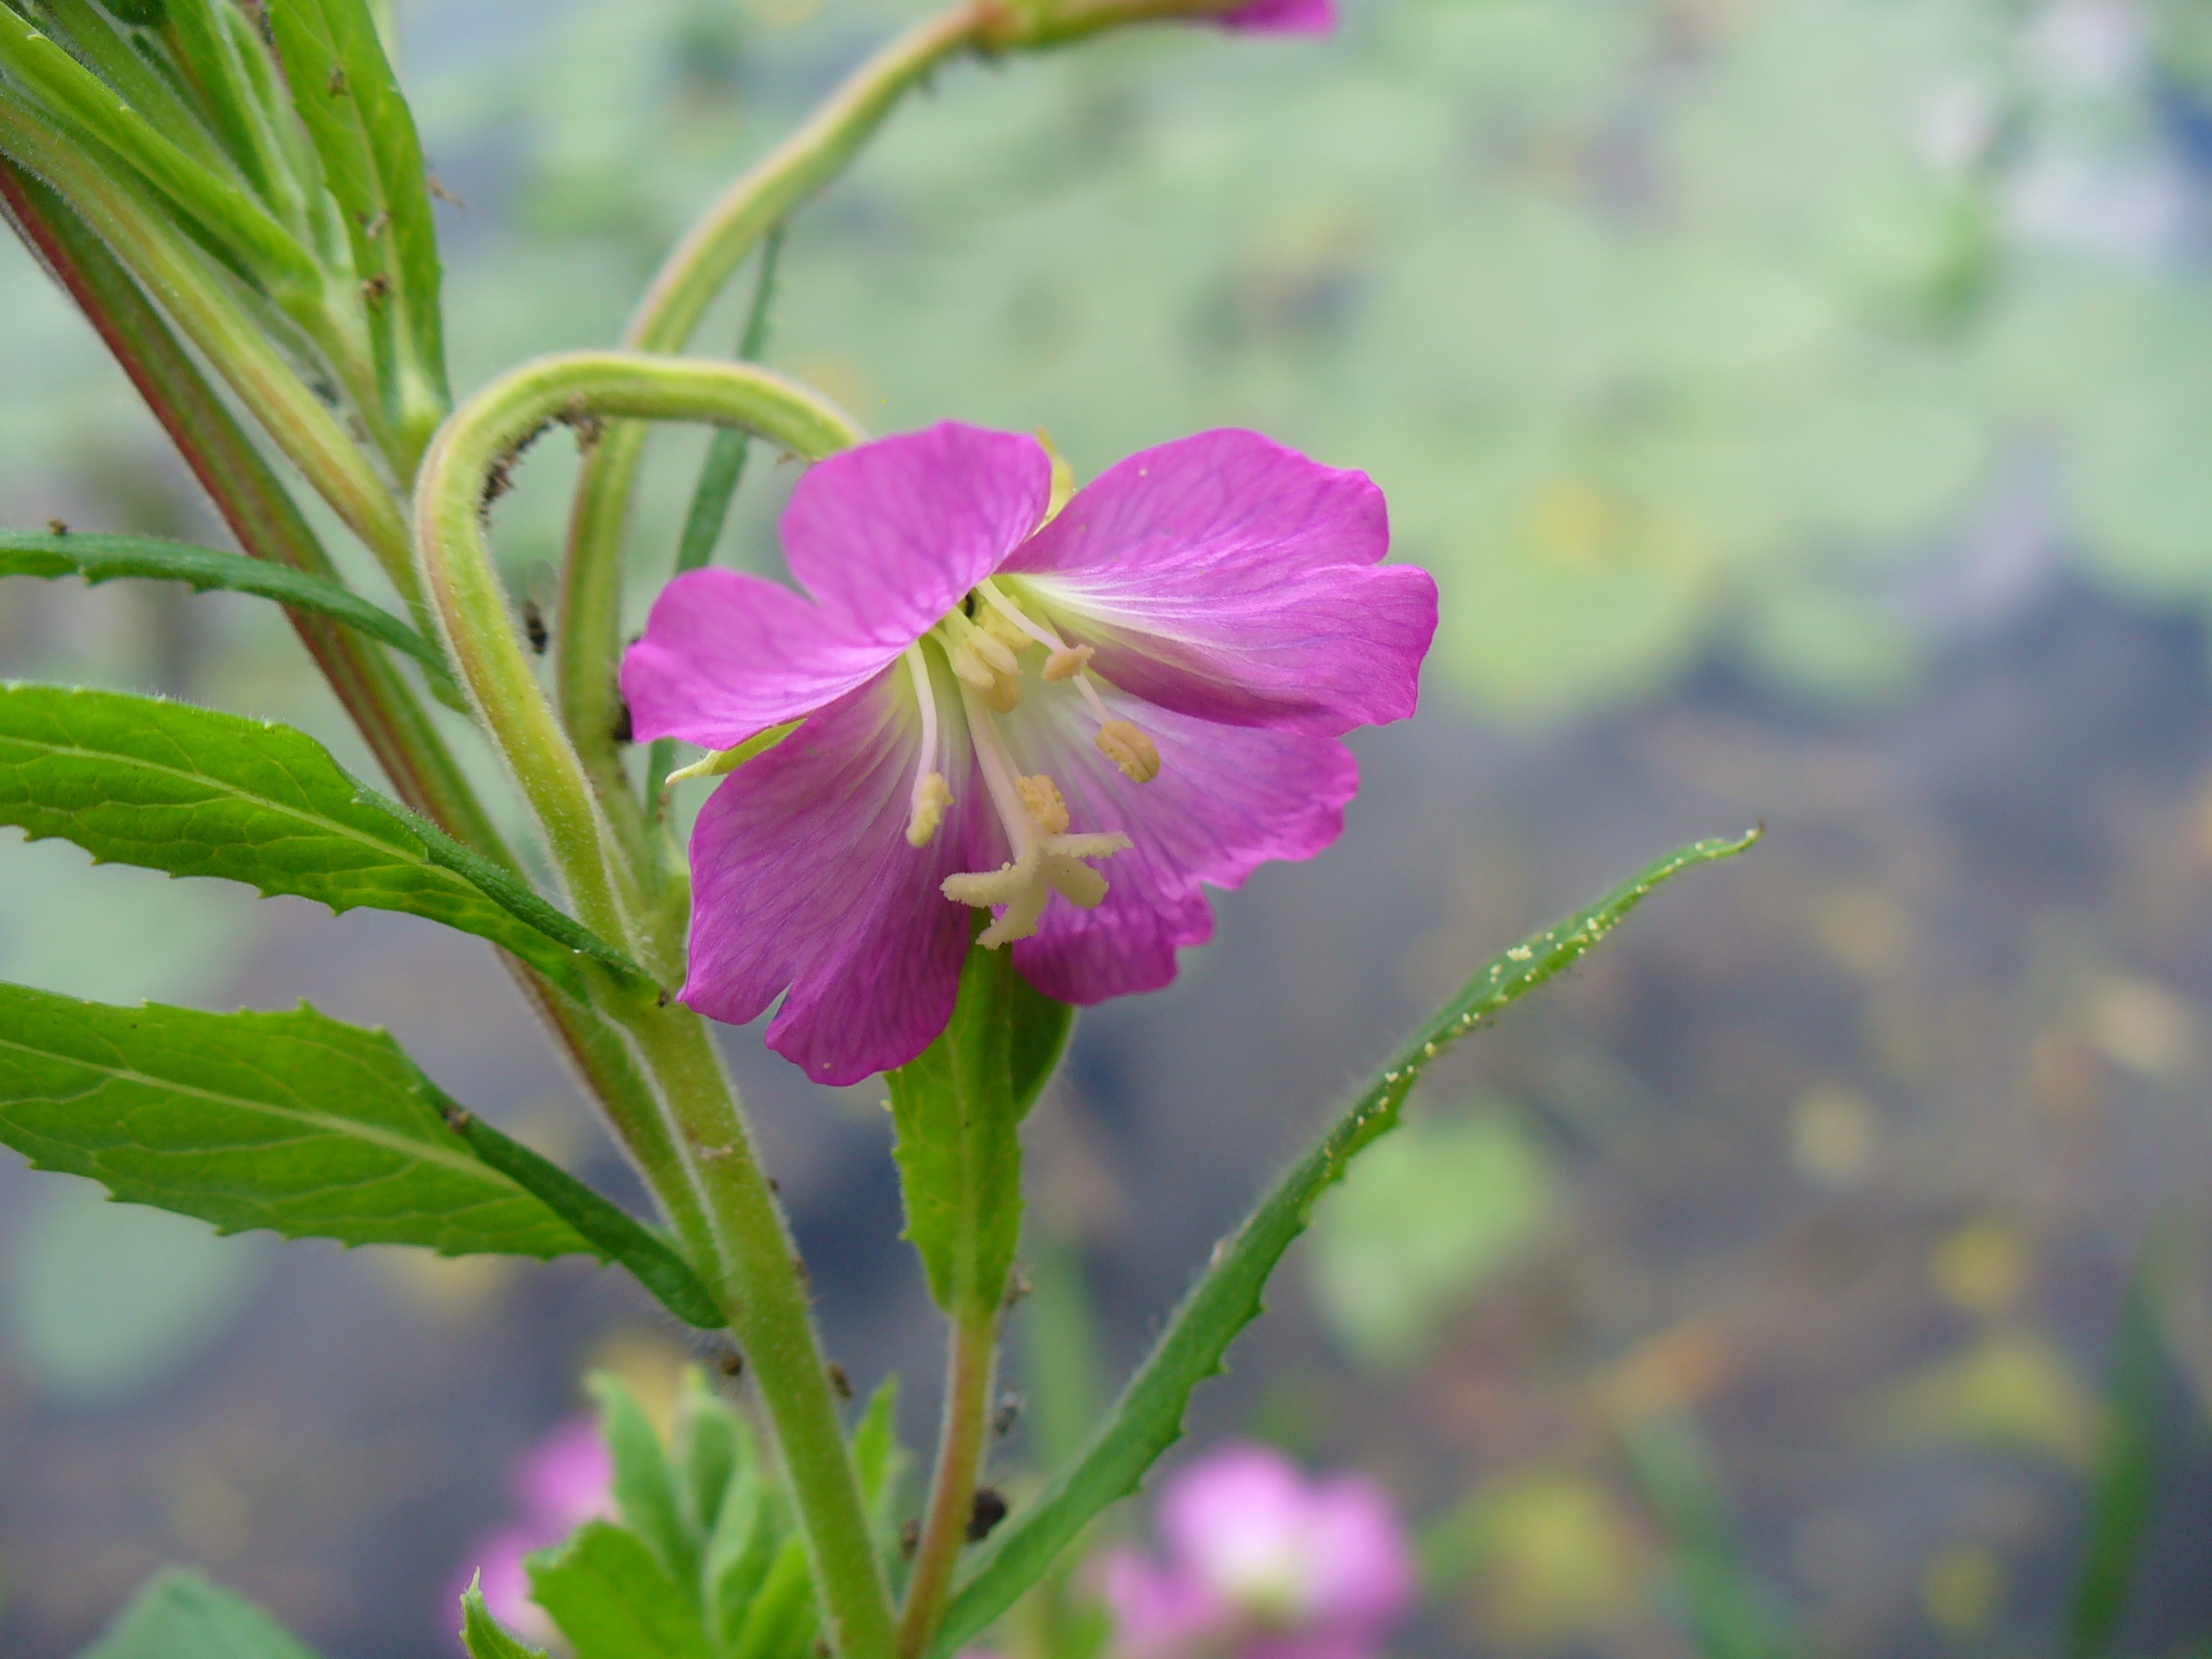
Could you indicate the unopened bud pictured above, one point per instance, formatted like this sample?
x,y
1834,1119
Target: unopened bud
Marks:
x,y
1129,749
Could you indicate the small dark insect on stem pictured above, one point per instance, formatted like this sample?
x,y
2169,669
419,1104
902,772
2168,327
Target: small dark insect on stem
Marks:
x,y
1008,1413
55,528
335,85
731,1365
533,627
622,731
910,1538
372,229
376,290
988,1509
841,1384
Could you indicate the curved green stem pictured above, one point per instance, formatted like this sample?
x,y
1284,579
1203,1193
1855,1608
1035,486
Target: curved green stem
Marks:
x,y
478,622
960,1440
588,635
307,433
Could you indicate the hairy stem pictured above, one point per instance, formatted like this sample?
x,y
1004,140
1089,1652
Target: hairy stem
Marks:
x,y
960,1440
588,635
763,1284
481,441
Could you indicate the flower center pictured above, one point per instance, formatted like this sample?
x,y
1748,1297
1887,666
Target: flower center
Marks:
x,y
983,640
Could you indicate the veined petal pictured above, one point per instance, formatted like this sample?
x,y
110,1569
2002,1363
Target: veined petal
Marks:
x,y
1227,799
725,654
1225,576
891,535
1280,18
802,879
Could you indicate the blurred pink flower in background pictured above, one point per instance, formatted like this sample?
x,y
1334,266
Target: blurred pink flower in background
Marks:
x,y
1262,1563
564,1480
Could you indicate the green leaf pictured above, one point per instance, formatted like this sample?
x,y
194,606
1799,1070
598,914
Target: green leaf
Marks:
x,y
100,557
957,1108
2131,1476
1148,1417
713,1448
293,1122
178,1614
350,103
615,1233
782,1621
195,792
483,1635
613,1600
645,1487
749,1535
90,113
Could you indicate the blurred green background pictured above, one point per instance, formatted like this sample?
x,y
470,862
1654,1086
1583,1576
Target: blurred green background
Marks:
x,y
1806,406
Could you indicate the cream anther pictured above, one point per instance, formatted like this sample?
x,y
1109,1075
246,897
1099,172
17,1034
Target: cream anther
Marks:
x,y
932,795
1068,661
1125,744
970,668
1041,798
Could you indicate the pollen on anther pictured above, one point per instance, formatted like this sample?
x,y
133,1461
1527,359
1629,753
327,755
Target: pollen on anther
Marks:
x,y
1128,748
931,796
1041,798
1068,662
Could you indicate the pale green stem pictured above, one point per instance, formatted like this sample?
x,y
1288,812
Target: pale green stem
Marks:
x,y
588,635
479,624
716,1174
960,1441
307,433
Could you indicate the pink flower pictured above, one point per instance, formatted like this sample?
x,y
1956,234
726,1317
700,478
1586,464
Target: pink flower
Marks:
x,y
1073,721
1263,1564
1280,18
563,1481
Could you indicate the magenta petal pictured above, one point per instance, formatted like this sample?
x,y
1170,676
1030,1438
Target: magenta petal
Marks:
x,y
1280,18
1156,1612
1363,1573
1225,576
892,535
1228,799
725,655
802,879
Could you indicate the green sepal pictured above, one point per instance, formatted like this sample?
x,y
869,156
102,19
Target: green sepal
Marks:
x,y
180,1615
1148,1417
957,1108
195,792
721,760
483,1635
294,1122
611,1230
101,557
613,1600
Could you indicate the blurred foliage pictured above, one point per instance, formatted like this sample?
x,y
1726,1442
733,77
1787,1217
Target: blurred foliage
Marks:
x,y
1420,1223
107,1302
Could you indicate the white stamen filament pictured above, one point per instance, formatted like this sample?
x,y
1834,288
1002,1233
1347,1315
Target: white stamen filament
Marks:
x,y
930,794
1061,650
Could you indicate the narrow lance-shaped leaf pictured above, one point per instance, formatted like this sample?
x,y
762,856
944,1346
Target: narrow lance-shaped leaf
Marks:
x,y
351,104
1148,1417
483,1635
294,1122
194,792
101,557
90,111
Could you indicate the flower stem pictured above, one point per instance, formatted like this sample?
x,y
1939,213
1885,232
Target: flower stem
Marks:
x,y
488,433
762,1285
960,1439
588,631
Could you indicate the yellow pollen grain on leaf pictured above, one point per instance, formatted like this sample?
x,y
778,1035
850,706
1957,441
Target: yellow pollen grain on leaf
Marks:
x,y
1125,745
1068,662
931,797
1041,798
